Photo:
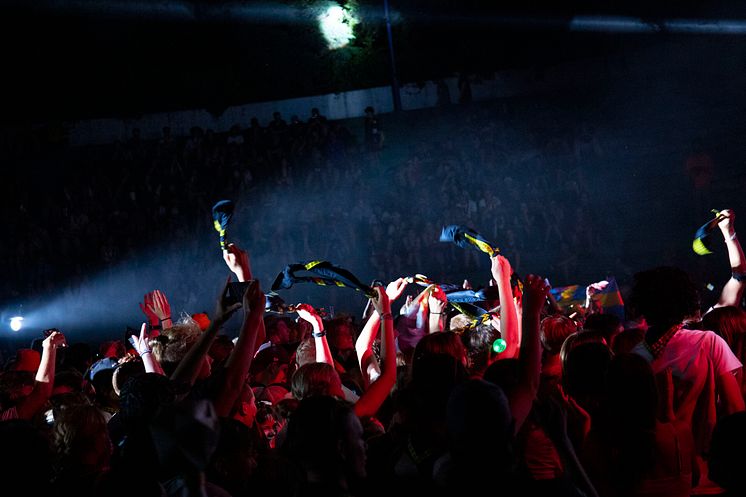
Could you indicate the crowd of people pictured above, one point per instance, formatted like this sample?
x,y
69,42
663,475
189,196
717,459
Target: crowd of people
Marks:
x,y
105,206
511,391
523,398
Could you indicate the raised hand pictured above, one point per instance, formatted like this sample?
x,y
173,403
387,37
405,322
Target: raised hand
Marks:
x,y
55,340
224,310
141,342
381,302
501,269
254,299
237,261
595,288
309,314
535,291
156,307
728,223
437,300
396,288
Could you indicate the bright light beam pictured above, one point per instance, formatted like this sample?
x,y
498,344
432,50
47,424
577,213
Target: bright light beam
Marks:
x,y
337,24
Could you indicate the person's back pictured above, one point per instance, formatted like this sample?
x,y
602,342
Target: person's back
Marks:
x,y
629,452
702,363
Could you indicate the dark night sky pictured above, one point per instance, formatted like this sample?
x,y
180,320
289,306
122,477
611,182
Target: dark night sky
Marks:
x,y
63,62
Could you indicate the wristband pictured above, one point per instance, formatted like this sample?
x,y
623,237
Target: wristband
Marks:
x,y
436,313
738,276
387,315
732,237
145,352
320,334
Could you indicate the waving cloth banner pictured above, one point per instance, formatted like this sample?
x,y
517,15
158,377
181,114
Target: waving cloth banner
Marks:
x,y
466,237
701,244
471,296
324,274
222,212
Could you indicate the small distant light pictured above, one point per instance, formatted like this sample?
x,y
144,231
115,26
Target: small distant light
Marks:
x,y
710,286
499,345
16,323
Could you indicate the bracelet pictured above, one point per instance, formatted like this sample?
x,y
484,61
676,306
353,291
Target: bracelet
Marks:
x,y
436,313
387,315
732,237
145,352
165,319
320,334
738,276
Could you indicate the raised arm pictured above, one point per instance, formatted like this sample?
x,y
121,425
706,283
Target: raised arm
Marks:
x,y
156,307
142,347
364,344
521,399
371,400
237,261
309,314
733,289
437,303
238,363
44,380
188,369
501,272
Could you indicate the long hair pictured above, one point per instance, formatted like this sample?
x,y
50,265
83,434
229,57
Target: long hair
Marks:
x,y
628,418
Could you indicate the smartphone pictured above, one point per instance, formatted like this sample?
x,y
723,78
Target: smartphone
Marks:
x,y
236,290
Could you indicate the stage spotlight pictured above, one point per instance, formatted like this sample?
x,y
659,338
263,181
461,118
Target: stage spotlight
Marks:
x,y
337,25
16,323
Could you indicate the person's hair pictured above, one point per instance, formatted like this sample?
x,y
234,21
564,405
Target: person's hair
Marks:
x,y
170,347
77,431
333,326
583,367
447,342
306,351
124,372
142,396
554,330
478,343
11,385
726,457
316,378
730,323
605,324
627,419
664,296
314,433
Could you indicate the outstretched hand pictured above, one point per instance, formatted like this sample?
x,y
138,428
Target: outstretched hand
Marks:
x,y
156,307
501,269
535,291
224,310
55,340
381,301
437,300
595,288
237,261
253,298
141,342
307,313
728,224
396,288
